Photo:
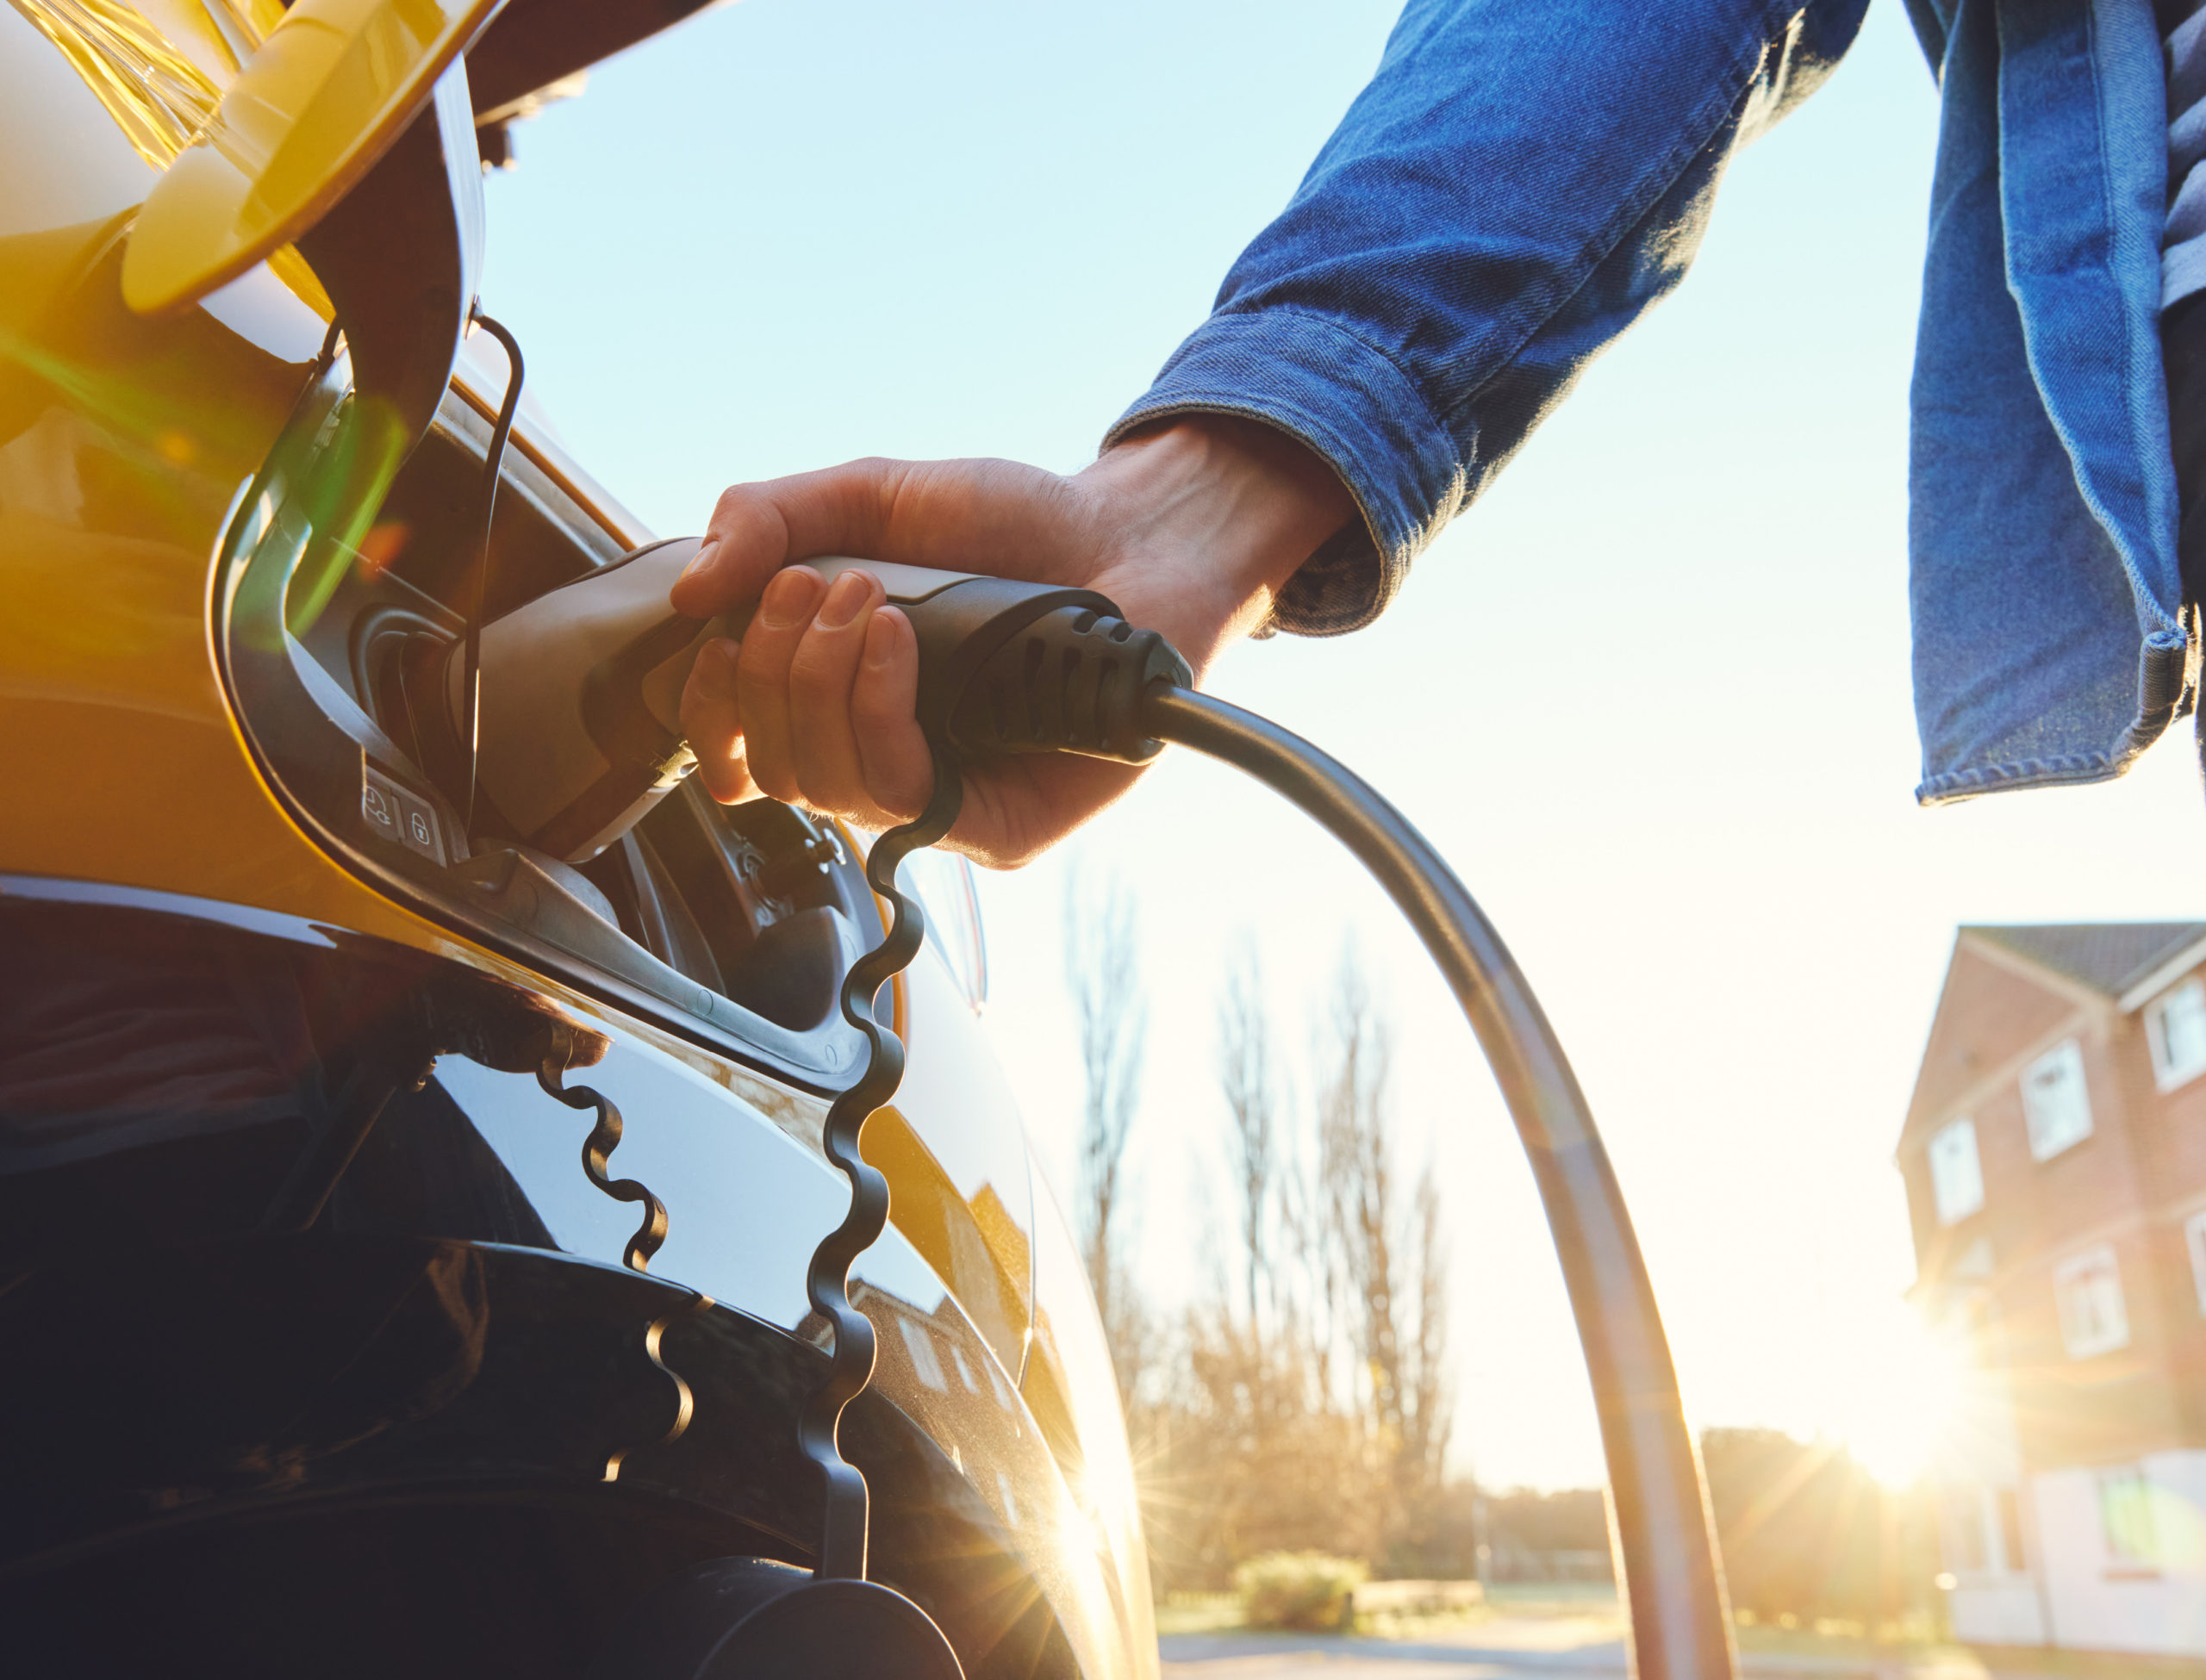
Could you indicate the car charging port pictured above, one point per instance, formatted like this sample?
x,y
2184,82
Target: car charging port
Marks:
x,y
335,634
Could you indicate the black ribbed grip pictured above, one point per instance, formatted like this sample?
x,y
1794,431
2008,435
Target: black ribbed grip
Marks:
x,y
1072,681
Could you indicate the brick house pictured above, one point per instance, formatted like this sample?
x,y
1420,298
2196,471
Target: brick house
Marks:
x,y
2055,1160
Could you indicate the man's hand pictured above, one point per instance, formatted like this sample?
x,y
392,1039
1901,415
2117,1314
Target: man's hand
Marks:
x,y
1191,529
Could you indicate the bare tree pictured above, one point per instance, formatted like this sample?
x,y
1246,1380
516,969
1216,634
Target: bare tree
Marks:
x,y
1245,1076
1103,970
1428,1392
1356,1168
1393,1262
1306,1402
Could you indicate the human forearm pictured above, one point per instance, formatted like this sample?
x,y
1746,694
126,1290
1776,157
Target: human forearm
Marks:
x,y
1518,184
1208,517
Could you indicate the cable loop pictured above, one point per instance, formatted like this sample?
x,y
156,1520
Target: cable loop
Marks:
x,y
598,1149
843,1536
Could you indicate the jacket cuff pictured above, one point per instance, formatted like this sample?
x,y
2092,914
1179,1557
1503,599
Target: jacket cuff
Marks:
x,y
1305,375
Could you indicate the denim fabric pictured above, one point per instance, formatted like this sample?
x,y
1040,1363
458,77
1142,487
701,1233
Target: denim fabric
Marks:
x,y
2183,247
2043,522
1522,178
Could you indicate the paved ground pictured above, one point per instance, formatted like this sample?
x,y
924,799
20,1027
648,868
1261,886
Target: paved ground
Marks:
x,y
1503,1648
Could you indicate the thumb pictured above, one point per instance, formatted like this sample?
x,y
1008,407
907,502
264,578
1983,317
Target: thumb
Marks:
x,y
757,529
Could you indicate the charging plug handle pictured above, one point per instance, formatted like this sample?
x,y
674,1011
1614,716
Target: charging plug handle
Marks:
x,y
1005,666
1009,667
581,687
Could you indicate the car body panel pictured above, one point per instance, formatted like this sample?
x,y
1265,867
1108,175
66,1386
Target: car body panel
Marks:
x,y
477,1376
961,1194
1070,1388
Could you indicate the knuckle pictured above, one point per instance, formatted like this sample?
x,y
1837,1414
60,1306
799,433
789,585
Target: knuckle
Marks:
x,y
816,676
709,736
778,782
903,802
823,789
711,679
707,712
728,784
878,713
747,520
765,662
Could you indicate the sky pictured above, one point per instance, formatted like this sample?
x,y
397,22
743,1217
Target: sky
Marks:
x,y
1651,695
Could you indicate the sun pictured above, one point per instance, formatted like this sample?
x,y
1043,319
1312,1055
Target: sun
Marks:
x,y
1898,1391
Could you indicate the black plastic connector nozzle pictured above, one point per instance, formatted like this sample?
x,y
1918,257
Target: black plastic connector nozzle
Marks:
x,y
1072,681
581,687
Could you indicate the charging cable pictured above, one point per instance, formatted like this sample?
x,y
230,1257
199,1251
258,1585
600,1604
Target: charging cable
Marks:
x,y
1008,668
1076,678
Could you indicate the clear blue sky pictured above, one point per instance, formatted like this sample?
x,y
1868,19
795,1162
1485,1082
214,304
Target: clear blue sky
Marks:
x,y
1651,695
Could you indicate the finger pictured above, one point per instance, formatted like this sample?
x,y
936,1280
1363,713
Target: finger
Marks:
x,y
892,750
823,745
757,529
762,684
993,516
744,545
713,722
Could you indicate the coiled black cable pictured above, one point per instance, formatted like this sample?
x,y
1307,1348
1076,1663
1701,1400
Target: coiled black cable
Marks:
x,y
844,1522
604,1138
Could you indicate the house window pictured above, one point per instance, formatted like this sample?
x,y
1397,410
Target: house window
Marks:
x,y
2088,1288
2194,1233
2054,1102
2175,1026
926,1365
1956,1180
2126,1518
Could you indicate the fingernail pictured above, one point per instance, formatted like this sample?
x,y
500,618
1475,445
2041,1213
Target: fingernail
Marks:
x,y
848,593
717,662
788,597
703,557
880,642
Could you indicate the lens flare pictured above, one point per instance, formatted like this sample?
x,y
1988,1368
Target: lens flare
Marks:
x,y
1900,1392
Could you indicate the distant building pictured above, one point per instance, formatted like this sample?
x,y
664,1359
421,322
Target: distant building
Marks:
x,y
2055,1161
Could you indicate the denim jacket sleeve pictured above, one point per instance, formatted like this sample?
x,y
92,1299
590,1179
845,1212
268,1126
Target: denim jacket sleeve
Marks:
x,y
1518,182
2049,641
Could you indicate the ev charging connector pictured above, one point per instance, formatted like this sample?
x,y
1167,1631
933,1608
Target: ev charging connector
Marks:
x,y
580,730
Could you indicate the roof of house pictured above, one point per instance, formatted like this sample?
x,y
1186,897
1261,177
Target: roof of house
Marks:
x,y
2107,956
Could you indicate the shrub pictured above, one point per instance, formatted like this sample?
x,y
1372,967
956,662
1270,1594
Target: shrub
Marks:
x,y
1302,1590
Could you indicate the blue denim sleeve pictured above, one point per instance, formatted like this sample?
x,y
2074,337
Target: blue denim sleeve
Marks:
x,y
1517,183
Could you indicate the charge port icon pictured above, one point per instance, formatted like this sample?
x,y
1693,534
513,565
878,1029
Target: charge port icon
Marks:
x,y
395,813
